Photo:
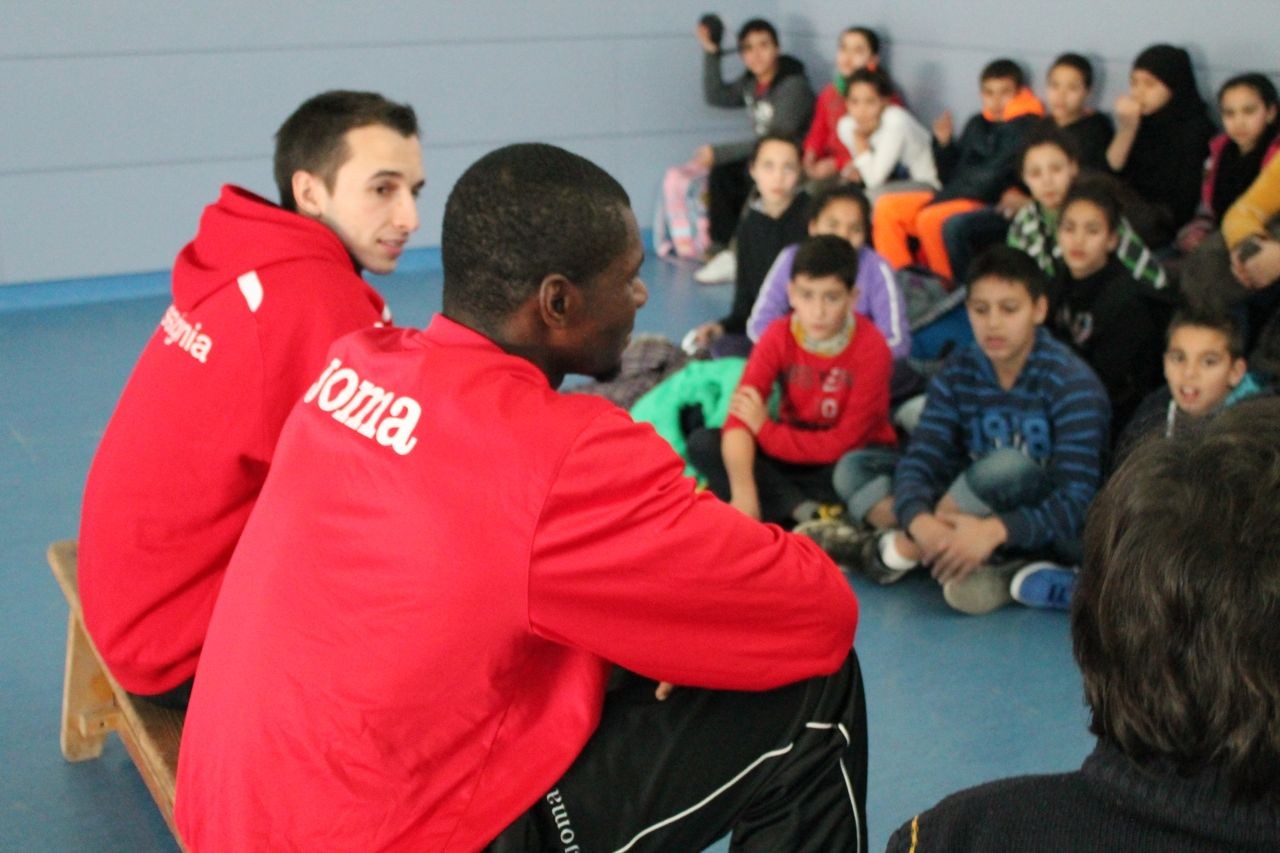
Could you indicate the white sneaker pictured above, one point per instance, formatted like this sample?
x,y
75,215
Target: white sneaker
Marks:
x,y
719,270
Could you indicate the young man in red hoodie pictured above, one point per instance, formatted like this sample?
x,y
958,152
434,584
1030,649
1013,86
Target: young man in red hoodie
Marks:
x,y
414,647
258,296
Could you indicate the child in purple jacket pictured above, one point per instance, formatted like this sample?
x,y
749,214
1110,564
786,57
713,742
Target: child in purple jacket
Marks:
x,y
844,212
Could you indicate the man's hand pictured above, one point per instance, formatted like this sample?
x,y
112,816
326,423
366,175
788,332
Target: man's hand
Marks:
x,y
747,406
704,156
971,545
665,689
1262,268
1128,112
1011,201
943,128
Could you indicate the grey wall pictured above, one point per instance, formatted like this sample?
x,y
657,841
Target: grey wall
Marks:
x,y
936,50
121,118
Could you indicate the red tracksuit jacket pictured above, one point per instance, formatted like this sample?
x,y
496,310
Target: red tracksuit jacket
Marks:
x,y
414,635
258,297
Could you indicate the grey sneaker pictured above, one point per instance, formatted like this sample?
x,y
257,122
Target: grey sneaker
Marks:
x,y
873,566
983,591
842,541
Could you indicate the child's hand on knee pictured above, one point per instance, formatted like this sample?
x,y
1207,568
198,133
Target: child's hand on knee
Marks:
x,y
972,543
931,535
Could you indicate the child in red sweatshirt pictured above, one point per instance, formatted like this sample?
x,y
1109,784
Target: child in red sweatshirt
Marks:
x,y
833,367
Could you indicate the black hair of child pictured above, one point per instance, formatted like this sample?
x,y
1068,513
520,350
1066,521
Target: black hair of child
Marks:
x,y
756,25
1047,132
874,77
873,40
1079,63
1259,83
840,192
775,137
1095,192
1012,265
1209,317
1004,69
827,255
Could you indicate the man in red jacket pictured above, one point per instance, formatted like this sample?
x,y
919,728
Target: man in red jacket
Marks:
x,y
258,296
415,645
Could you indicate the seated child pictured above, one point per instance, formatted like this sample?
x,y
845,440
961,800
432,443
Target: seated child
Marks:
x,y
842,211
1162,139
1205,372
1239,267
1006,458
1174,629
1049,166
1067,89
1098,308
881,138
833,367
778,100
1248,104
824,156
775,219
976,171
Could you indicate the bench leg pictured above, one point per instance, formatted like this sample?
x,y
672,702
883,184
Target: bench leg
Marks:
x,y
89,710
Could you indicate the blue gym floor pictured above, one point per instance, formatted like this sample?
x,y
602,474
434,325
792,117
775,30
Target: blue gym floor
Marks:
x,y
951,700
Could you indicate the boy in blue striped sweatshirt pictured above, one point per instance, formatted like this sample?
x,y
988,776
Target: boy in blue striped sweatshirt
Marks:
x,y
1005,461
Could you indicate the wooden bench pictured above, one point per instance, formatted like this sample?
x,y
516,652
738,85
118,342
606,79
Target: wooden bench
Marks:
x,y
94,705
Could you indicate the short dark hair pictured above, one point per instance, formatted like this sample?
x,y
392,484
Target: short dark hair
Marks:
x,y
756,25
874,77
1174,618
873,40
1012,265
1047,132
1003,69
841,192
826,255
1079,63
1209,317
1259,83
1097,192
519,214
312,139
774,137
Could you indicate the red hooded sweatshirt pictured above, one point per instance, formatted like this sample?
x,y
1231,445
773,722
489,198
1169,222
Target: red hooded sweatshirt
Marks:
x,y
416,630
258,296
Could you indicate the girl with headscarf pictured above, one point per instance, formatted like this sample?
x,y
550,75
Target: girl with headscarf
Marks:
x,y
1162,139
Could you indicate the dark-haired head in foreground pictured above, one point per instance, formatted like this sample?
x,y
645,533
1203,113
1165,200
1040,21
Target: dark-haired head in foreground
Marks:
x,y
541,254
1176,619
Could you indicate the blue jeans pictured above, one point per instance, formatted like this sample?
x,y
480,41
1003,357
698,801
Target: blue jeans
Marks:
x,y
1001,481
865,477
967,235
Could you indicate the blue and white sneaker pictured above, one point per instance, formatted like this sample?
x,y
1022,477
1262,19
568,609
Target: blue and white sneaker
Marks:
x,y
1045,585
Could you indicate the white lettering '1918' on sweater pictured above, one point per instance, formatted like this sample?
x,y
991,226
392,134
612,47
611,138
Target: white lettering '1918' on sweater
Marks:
x,y
189,338
360,405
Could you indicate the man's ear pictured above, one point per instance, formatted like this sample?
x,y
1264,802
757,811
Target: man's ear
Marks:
x,y
309,193
558,302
